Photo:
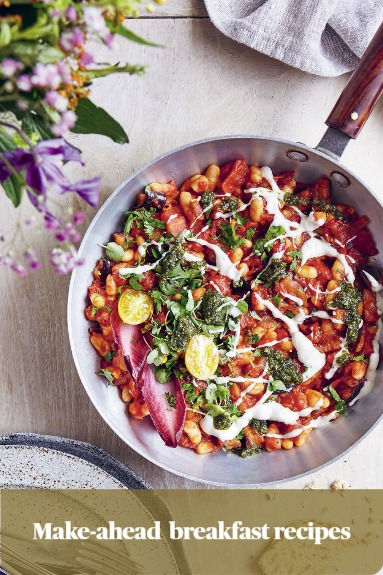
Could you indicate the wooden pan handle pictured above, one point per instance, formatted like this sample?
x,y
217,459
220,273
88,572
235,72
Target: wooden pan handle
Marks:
x,y
360,95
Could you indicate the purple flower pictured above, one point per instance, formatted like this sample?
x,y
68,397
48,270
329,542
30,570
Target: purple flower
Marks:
x,y
78,218
42,167
56,100
56,14
72,39
86,59
64,261
46,76
32,260
9,67
71,14
67,121
19,269
24,83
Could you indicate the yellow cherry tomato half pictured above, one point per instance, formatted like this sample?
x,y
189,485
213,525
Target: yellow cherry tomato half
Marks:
x,y
201,357
134,306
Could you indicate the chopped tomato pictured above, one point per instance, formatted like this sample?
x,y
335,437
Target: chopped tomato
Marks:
x,y
236,177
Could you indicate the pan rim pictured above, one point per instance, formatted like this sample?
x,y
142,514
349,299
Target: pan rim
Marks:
x,y
101,411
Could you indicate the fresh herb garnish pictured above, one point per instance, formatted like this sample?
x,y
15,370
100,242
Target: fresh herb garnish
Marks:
x,y
361,357
340,404
296,255
134,282
171,398
260,425
109,356
229,235
143,218
107,374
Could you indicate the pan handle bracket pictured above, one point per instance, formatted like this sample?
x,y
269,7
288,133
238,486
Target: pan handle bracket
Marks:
x,y
333,143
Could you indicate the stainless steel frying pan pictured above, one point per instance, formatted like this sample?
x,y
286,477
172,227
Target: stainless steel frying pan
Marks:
x,y
324,446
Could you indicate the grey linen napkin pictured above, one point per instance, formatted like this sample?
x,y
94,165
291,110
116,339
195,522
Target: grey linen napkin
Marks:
x,y
323,37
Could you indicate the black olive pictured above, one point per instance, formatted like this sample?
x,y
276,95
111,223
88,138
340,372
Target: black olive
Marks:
x,y
154,200
105,270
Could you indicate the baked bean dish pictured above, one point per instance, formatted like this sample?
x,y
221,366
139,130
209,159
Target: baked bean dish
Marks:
x,y
236,311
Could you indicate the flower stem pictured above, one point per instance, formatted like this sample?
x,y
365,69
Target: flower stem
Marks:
x,y
21,133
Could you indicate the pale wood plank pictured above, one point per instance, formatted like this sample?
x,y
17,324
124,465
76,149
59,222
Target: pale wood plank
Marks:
x,y
201,85
177,9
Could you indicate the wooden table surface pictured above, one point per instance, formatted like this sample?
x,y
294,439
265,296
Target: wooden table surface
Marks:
x,y
201,84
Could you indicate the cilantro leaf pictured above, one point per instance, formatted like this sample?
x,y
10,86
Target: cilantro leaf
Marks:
x,y
107,374
229,235
340,404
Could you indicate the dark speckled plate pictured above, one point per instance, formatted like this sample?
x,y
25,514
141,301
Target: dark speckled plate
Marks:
x,y
29,460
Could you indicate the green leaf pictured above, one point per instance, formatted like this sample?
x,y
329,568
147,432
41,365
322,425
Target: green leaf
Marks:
x,y
242,306
114,251
13,186
277,385
33,124
92,119
126,33
31,51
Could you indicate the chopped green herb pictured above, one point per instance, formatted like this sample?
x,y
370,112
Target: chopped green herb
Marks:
x,y
253,338
229,235
250,233
361,357
296,255
94,311
241,219
340,404
289,314
171,399
109,356
277,300
143,219
134,282
107,374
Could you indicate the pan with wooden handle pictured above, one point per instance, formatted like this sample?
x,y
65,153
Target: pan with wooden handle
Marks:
x,y
344,123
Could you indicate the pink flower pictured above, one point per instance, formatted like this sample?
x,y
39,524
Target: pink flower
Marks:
x,y
72,39
56,100
65,72
9,67
67,121
71,14
46,76
94,20
24,83
64,261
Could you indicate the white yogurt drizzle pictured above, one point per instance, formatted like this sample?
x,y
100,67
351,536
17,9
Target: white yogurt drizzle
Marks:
x,y
222,260
334,367
321,421
308,354
293,298
374,357
264,411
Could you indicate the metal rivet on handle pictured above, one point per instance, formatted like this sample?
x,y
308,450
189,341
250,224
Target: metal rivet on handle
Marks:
x,y
340,179
297,156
